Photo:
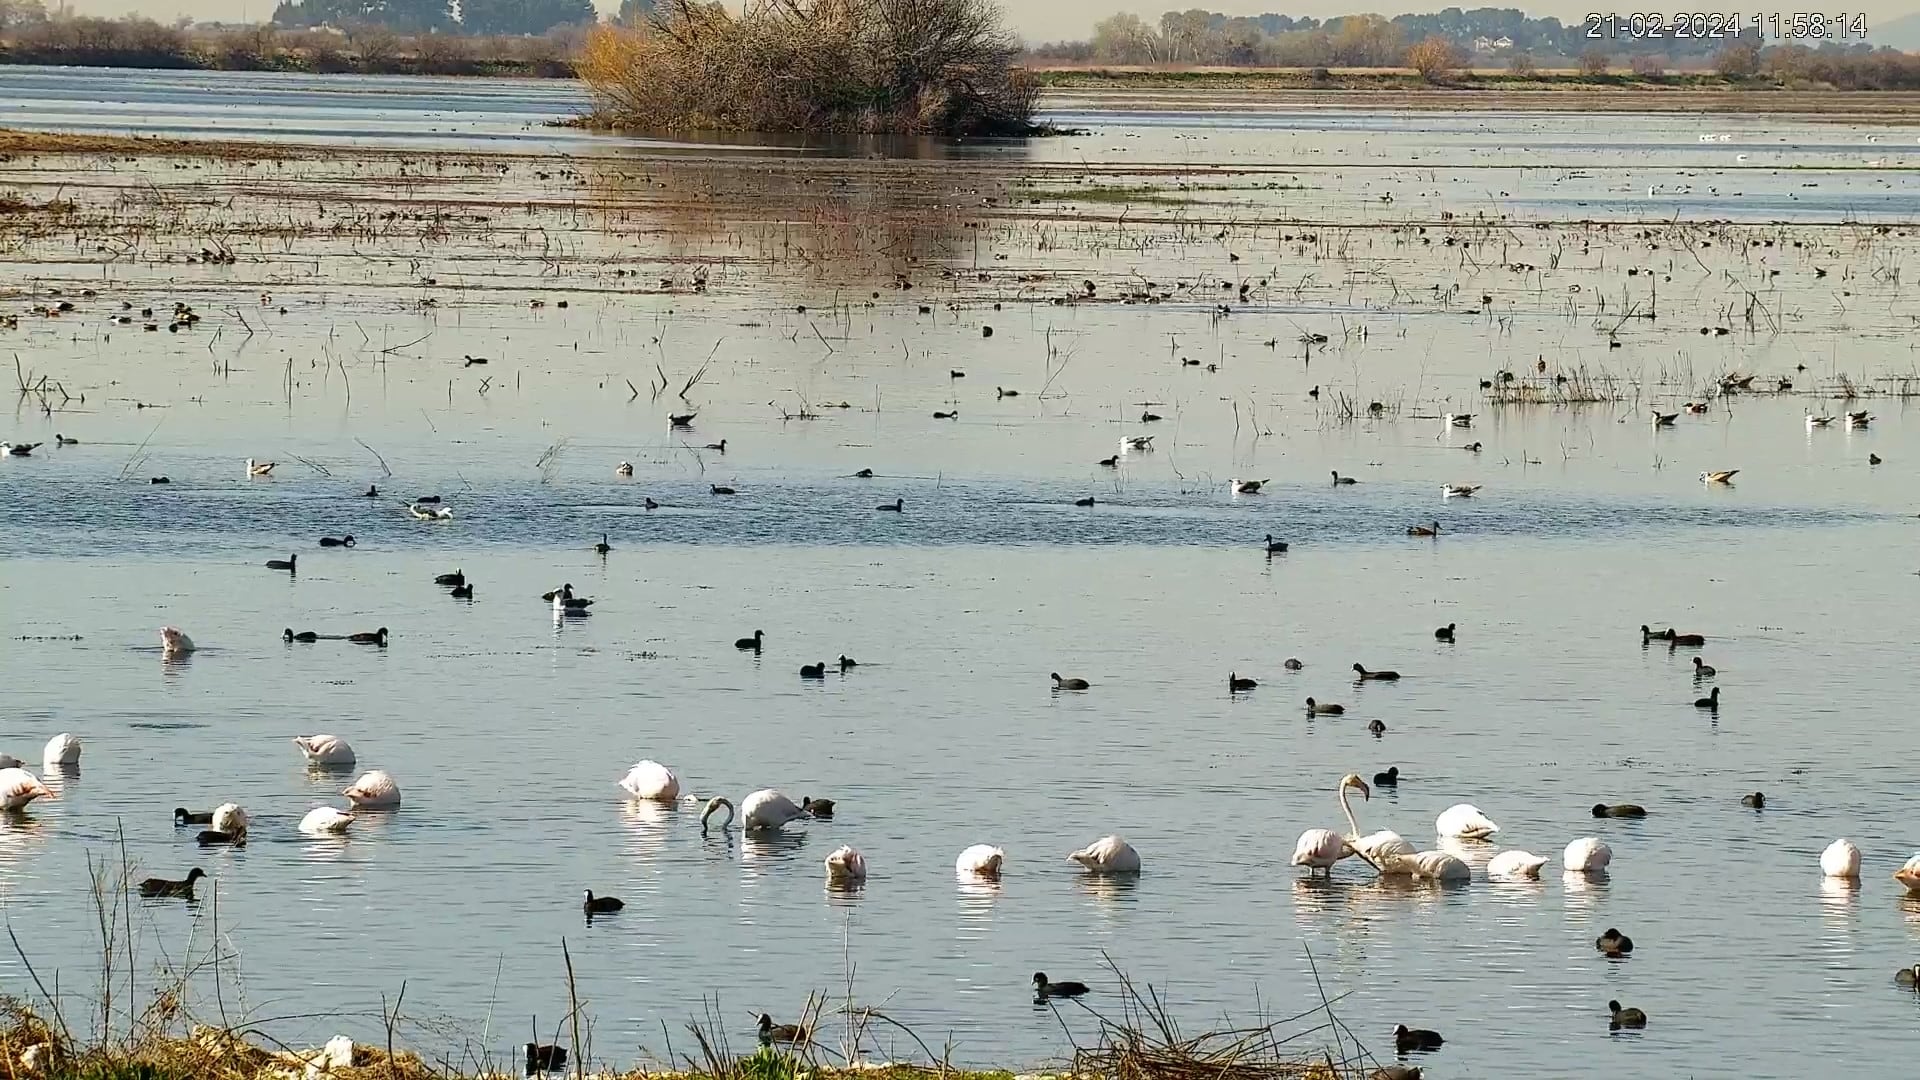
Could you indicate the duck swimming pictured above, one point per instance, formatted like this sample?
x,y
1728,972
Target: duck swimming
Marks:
x,y
213,838
1390,778
751,642
602,547
1314,708
1069,684
305,636
1381,676
461,592
343,541
377,637
157,887
1621,810
1338,479
1711,701
175,642
289,564
771,1032
184,816
1701,670
458,577
1424,530
1276,547
820,808
1613,943
847,662
898,506
1756,801
601,905
813,671
1236,684
1411,1040
1624,1018
1044,988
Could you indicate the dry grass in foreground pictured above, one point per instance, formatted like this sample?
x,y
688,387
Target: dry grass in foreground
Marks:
x,y
1138,1039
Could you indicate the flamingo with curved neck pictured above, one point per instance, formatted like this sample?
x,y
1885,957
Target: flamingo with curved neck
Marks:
x,y
1319,849
718,802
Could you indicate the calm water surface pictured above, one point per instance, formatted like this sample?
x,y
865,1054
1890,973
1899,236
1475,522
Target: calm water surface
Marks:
x,y
507,733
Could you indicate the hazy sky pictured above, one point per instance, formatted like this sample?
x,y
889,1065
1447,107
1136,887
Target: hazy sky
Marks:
x,y
1037,20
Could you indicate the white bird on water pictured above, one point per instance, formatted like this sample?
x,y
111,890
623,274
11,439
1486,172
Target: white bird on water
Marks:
x,y
260,468
767,810
1515,865
1319,849
1909,875
231,819
650,781
18,787
1459,491
375,791
63,750
1841,860
1434,866
1108,855
325,821
1459,419
175,642
1587,855
846,866
430,513
326,750
980,860
1464,821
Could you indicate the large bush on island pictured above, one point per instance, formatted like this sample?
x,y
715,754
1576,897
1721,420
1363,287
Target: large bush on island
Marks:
x,y
933,67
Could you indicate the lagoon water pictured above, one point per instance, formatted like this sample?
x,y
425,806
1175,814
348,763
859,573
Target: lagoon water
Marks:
x,y
507,732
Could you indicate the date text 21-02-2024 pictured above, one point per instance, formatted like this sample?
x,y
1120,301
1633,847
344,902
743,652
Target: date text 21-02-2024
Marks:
x,y
1841,27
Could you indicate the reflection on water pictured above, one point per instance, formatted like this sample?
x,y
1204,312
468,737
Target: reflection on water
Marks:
x,y
1107,889
647,826
1839,902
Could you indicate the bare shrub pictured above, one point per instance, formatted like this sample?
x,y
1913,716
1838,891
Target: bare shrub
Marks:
x,y
1595,62
905,66
1433,59
1648,65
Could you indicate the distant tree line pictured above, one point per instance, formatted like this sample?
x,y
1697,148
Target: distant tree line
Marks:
x,y
418,16
29,35
1199,37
